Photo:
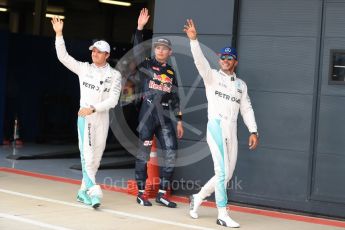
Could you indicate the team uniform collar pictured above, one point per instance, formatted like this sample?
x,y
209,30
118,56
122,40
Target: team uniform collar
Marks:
x,y
159,63
233,76
102,67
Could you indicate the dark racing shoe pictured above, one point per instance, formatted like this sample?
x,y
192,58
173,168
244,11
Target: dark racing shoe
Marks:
x,y
162,198
226,221
143,200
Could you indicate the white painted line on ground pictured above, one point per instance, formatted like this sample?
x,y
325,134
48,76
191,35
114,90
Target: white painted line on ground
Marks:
x,y
156,220
104,210
33,222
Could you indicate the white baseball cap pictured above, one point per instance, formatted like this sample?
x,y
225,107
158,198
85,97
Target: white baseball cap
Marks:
x,y
101,45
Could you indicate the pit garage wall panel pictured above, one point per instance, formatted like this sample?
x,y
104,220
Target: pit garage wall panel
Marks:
x,y
194,107
279,56
275,182
279,127
278,64
330,152
291,18
277,46
278,169
170,16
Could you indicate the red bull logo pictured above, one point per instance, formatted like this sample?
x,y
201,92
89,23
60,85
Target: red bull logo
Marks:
x,y
161,87
163,78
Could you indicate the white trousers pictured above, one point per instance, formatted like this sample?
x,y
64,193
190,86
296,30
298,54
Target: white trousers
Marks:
x,y
222,140
92,135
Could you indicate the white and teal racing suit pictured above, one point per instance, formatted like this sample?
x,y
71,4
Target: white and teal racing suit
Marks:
x,y
226,96
100,88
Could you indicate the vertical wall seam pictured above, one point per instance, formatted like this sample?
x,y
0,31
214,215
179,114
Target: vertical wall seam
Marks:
x,y
235,23
316,104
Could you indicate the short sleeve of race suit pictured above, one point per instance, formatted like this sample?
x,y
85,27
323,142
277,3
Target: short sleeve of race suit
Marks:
x,y
67,60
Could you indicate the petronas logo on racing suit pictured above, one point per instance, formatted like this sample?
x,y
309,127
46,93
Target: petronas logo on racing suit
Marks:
x,y
227,97
90,86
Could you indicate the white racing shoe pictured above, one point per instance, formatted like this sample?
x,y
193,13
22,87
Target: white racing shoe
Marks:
x,y
194,203
193,214
95,202
226,221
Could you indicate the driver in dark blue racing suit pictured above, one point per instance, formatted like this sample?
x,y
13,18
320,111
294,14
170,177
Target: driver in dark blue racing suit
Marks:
x,y
160,105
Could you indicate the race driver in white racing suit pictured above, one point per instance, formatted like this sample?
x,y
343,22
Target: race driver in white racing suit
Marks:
x,y
100,87
226,95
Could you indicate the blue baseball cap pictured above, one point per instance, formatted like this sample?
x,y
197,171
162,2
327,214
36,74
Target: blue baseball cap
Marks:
x,y
229,51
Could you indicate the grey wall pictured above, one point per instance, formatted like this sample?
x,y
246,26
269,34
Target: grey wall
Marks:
x,y
330,148
284,58
278,49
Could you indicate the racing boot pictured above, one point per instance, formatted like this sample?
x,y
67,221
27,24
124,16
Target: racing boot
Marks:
x,y
163,199
83,197
225,220
95,202
194,203
142,199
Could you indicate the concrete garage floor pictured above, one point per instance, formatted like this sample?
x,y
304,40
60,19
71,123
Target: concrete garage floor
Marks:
x,y
32,199
35,203
61,166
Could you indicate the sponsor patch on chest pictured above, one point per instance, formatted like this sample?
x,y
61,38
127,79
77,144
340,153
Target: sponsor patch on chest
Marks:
x,y
156,68
161,87
90,86
227,97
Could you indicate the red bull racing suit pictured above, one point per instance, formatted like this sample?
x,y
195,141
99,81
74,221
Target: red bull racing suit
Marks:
x,y
160,105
